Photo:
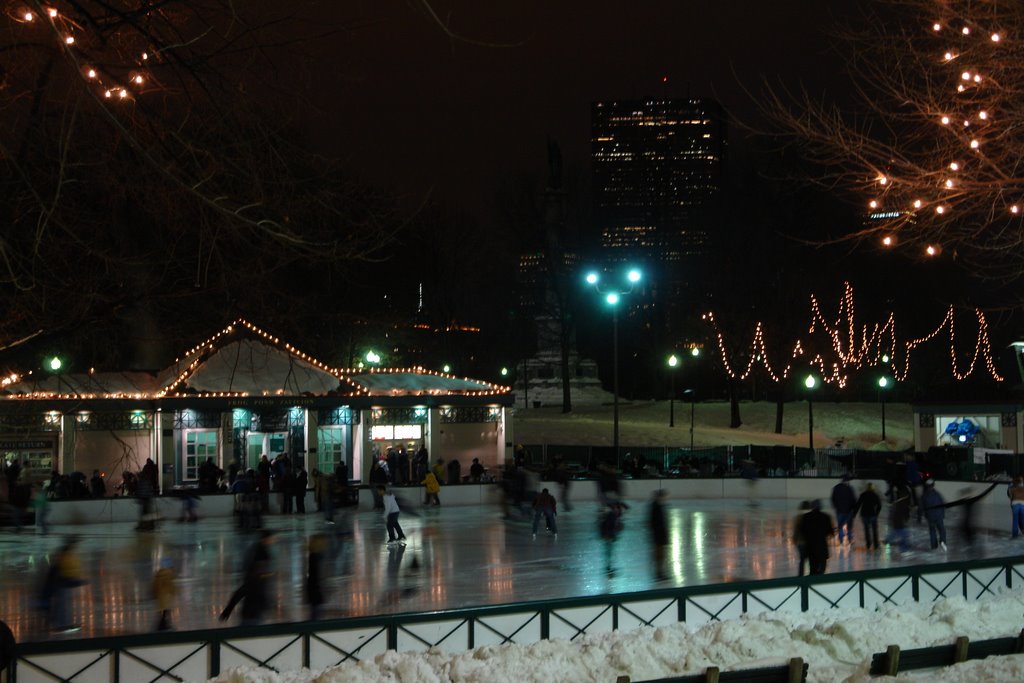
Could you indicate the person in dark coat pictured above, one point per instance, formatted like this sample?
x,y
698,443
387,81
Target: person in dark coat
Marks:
x,y
314,571
149,473
935,513
869,506
659,533
300,482
97,487
253,593
798,538
816,528
544,505
844,502
899,517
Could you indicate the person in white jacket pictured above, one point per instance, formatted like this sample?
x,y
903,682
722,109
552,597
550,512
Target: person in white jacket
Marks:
x,y
391,510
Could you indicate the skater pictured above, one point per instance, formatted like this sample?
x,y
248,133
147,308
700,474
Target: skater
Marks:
x,y
378,479
844,501
899,517
816,528
608,490
391,512
544,504
41,502
253,593
798,537
300,481
611,525
935,513
1015,493
869,506
659,533
914,479
164,591
432,487
314,568
65,573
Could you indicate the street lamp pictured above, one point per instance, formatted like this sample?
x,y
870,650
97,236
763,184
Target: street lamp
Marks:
x,y
883,384
673,362
372,357
810,382
612,296
690,392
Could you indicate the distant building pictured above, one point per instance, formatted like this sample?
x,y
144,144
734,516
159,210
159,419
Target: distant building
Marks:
x,y
657,167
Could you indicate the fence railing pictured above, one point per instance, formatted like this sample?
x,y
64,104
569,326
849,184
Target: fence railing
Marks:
x,y
203,654
773,461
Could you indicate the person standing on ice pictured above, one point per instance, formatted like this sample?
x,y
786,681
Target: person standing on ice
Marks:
x,y
1016,495
844,502
816,528
253,592
391,511
869,506
935,513
899,517
611,525
544,505
658,525
798,535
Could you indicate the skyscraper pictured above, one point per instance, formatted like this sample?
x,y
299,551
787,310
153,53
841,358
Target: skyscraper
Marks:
x,y
657,169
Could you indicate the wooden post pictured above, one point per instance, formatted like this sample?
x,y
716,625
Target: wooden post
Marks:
x,y
892,660
796,670
1020,642
960,649
711,675
622,679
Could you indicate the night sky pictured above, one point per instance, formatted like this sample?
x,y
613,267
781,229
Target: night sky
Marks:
x,y
416,111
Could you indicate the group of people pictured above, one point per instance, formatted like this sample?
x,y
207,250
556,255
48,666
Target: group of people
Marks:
x,y
813,529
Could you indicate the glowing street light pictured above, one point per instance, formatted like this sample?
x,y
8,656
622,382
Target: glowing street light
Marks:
x,y
373,357
56,363
883,384
810,382
612,296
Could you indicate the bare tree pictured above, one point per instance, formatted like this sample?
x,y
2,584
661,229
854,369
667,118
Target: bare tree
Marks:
x,y
135,166
933,144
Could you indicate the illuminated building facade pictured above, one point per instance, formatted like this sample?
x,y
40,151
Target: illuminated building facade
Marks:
x,y
241,394
657,168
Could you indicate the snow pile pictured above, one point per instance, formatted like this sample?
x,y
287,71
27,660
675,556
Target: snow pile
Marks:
x,y
837,645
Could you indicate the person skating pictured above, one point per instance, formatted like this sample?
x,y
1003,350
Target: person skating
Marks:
x,y
844,502
431,487
65,574
869,506
798,536
899,517
816,529
659,533
1015,493
391,512
164,591
314,570
544,505
935,513
611,525
253,593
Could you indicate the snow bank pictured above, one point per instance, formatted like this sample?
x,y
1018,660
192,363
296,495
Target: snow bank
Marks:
x,y
837,645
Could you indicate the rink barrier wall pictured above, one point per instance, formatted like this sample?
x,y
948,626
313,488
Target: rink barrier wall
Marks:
x,y
204,654
120,509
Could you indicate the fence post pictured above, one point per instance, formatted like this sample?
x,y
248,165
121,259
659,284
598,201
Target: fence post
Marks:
x,y
796,670
711,674
892,660
960,649
214,658
545,624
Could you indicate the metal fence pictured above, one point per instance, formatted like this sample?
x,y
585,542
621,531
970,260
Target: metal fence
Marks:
x,y
771,461
199,655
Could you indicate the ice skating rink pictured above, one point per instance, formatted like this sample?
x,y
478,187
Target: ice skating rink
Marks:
x,y
454,557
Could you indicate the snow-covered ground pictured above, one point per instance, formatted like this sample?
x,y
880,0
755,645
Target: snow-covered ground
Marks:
x,y
645,423
836,644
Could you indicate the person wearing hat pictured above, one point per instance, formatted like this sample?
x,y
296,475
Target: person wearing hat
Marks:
x,y
164,592
844,502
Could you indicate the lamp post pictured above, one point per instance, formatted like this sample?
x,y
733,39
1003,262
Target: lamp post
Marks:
x,y
673,362
883,384
810,382
612,297
692,404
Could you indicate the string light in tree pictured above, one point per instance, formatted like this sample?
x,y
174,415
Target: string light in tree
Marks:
x,y
852,347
